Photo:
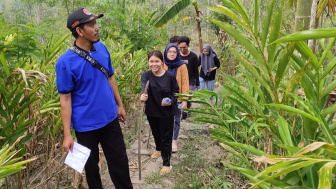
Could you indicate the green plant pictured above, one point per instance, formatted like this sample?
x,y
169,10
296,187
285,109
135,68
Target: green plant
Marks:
x,y
154,178
28,96
21,90
19,98
128,68
195,182
173,11
9,164
197,164
127,26
18,44
49,110
262,114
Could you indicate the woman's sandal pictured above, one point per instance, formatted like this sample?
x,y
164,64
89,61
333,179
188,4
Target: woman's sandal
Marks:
x,y
165,170
156,154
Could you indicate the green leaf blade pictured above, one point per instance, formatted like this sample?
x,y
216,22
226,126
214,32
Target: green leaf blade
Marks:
x,y
308,34
172,12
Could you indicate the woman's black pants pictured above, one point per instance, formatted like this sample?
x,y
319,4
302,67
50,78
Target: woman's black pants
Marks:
x,y
162,129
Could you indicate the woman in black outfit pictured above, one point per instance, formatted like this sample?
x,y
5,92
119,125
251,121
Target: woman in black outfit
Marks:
x,y
160,113
209,64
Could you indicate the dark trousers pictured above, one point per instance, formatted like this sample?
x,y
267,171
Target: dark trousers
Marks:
x,y
186,114
177,122
162,130
111,139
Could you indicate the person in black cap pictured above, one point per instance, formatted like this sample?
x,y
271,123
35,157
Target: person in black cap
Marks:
x,y
90,101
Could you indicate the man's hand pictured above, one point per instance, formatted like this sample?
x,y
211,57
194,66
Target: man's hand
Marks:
x,y
121,114
68,143
121,111
66,112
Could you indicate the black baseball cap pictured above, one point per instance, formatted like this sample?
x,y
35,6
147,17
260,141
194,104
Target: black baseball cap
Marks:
x,y
81,16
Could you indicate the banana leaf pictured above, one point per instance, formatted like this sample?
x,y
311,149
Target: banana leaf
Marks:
x,y
172,12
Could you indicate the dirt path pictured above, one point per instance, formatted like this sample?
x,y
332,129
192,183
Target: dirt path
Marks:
x,y
199,162
149,166
190,134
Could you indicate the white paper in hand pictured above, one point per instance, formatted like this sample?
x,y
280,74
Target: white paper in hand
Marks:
x,y
78,157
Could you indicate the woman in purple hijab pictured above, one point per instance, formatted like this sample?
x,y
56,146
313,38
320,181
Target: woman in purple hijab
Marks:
x,y
209,64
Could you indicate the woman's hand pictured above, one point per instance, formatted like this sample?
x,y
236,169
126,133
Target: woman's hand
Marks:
x,y
143,97
184,105
163,103
212,69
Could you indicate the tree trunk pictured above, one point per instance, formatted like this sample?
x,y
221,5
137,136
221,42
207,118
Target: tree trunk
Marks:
x,y
313,25
302,15
67,7
302,21
37,13
198,19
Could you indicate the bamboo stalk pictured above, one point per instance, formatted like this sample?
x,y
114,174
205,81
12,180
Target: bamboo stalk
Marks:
x,y
139,131
149,134
139,139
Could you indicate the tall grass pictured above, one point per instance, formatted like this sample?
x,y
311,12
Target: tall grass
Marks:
x,y
263,120
30,108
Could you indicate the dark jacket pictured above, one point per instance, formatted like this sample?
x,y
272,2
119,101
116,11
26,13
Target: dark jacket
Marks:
x,y
213,73
159,88
192,65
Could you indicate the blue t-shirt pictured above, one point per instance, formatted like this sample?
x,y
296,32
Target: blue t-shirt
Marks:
x,y
93,103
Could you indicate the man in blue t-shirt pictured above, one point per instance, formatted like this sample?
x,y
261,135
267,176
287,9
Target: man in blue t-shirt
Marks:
x,y
91,103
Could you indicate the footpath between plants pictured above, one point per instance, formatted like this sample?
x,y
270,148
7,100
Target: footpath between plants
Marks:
x,y
197,164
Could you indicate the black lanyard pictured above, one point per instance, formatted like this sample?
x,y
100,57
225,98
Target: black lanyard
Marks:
x,y
87,57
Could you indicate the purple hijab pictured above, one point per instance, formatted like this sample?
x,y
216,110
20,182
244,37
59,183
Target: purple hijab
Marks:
x,y
173,64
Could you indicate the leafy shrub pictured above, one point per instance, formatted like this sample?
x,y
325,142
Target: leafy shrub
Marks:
x,y
261,115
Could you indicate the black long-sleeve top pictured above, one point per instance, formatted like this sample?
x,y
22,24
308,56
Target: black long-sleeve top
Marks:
x,y
213,73
192,65
159,88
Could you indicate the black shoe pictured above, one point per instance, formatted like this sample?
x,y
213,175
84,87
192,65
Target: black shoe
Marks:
x,y
184,115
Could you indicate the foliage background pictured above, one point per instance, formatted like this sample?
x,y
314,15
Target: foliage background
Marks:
x,y
33,34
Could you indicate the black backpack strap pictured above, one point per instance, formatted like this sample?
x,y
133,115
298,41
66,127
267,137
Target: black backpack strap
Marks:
x,y
87,57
